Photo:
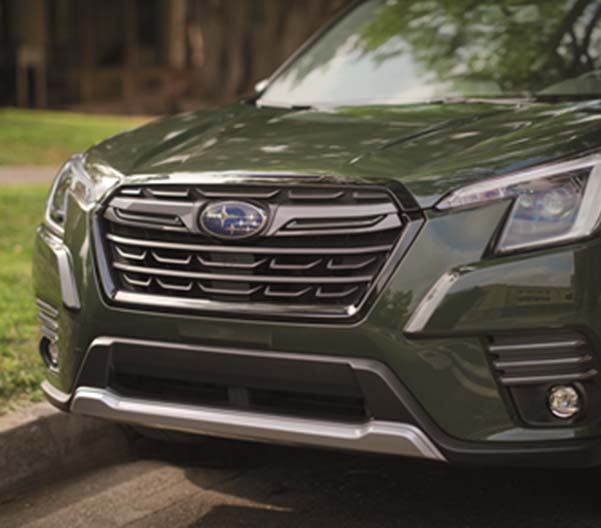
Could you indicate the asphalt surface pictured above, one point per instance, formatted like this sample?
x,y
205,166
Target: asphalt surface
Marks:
x,y
224,484
26,175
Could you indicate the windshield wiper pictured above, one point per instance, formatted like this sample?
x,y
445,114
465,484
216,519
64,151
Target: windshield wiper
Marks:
x,y
500,99
293,107
557,98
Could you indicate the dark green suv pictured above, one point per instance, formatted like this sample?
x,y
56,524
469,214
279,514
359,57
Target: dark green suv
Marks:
x,y
393,247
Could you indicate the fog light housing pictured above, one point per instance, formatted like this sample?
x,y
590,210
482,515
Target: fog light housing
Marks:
x,y
564,401
49,353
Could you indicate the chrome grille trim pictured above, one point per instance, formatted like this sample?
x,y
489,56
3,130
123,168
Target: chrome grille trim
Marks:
x,y
130,256
543,362
335,295
47,309
228,308
325,252
167,260
550,378
274,265
47,321
270,292
296,195
248,249
225,195
351,223
137,282
230,265
241,278
175,287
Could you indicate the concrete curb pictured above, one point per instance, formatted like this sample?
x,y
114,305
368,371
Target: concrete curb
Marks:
x,y
39,441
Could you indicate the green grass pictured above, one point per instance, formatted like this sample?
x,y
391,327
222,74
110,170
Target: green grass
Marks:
x,y
21,370
32,137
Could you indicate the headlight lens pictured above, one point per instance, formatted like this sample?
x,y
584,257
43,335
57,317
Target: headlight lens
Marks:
x,y
56,208
551,204
73,180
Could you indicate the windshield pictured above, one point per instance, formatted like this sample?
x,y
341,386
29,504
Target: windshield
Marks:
x,y
411,51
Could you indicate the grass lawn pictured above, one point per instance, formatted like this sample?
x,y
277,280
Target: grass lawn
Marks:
x,y
32,138
21,209
29,137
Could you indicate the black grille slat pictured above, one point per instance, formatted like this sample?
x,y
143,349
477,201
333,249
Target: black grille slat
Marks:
x,y
576,360
48,318
532,360
323,249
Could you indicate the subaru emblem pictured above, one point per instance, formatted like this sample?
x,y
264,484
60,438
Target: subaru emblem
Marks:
x,y
233,220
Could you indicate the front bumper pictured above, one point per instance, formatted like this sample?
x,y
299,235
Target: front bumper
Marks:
x,y
402,427
109,387
456,407
376,437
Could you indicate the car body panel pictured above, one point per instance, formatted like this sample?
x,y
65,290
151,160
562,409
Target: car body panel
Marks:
x,y
430,149
446,359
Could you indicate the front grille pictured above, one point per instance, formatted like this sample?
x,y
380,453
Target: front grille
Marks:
x,y
323,252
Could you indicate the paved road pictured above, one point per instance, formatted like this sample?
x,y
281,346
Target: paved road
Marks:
x,y
228,484
25,174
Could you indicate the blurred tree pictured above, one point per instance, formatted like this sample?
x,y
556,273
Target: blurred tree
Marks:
x,y
153,55
234,43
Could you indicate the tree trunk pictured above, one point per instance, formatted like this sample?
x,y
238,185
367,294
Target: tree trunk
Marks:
x,y
235,43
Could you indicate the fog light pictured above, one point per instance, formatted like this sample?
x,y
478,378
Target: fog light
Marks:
x,y
564,401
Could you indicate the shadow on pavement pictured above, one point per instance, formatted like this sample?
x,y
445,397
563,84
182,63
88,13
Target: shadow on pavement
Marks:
x,y
283,486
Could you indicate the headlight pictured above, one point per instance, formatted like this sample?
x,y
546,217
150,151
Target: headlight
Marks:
x,y
84,182
551,204
56,205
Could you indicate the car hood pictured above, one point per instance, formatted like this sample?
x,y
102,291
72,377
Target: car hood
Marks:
x,y
430,149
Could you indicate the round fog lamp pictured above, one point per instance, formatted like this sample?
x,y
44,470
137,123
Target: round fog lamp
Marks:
x,y
564,401
53,353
